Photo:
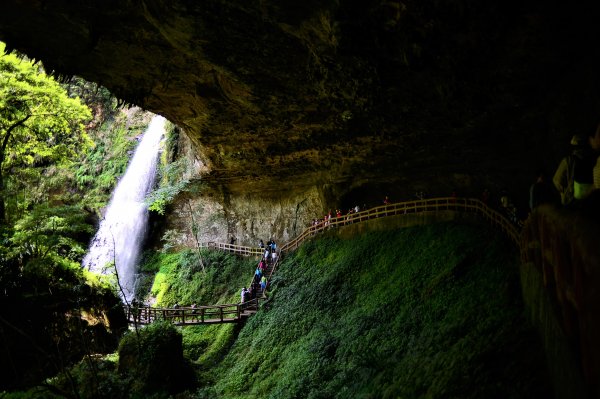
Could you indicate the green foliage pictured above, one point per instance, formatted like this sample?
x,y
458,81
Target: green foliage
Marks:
x,y
50,232
171,143
172,182
39,123
52,315
173,175
407,313
395,314
97,378
98,172
96,97
51,177
181,279
154,357
46,123
206,344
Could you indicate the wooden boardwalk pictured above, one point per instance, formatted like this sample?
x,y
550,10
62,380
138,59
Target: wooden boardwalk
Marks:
x,y
233,313
185,316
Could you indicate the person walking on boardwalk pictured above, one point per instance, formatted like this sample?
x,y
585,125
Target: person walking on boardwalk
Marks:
x,y
263,284
176,312
194,312
258,273
243,296
574,177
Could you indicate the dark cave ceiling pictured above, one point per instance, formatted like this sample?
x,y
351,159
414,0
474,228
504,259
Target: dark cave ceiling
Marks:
x,y
433,94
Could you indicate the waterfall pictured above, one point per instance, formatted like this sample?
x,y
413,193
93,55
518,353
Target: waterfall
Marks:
x,y
123,229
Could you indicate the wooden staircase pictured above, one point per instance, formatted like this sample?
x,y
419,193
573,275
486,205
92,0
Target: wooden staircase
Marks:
x,y
235,312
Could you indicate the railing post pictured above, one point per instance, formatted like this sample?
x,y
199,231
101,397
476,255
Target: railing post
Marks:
x,y
221,312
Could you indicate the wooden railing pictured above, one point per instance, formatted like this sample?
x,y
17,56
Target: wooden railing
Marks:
x,y
234,249
271,266
411,207
233,312
554,248
227,313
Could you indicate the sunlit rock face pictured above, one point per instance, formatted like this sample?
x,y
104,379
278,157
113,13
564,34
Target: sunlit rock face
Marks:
x,y
356,98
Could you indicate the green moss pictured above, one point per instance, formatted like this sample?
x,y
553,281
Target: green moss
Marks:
x,y
206,344
429,311
205,277
154,358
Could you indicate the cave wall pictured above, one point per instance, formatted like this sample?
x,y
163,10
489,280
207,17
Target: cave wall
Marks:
x,y
560,279
246,218
205,212
351,98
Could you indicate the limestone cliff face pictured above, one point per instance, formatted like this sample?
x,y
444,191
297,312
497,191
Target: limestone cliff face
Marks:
x,y
204,214
247,218
348,99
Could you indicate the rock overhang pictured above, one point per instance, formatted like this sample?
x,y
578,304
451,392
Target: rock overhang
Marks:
x,y
284,95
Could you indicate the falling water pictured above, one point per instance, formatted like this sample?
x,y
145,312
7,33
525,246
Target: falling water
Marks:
x,y
123,228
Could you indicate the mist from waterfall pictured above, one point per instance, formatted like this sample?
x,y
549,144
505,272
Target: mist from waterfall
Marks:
x,y
122,231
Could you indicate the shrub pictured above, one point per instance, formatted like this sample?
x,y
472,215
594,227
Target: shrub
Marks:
x,y
153,356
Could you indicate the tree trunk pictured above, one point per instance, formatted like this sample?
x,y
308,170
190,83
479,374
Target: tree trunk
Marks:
x,y
2,212
3,146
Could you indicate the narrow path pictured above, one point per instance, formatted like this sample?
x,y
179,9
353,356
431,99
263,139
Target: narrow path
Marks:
x,y
232,313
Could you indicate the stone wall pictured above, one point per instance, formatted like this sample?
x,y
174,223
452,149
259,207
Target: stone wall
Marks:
x,y
560,282
563,364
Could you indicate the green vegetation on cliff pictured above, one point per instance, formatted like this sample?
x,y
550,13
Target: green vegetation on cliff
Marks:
x,y
203,277
53,166
429,311
422,312
40,125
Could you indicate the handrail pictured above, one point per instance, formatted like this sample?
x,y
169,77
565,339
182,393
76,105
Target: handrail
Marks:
x,y
272,266
187,315
233,312
235,249
410,207
398,208
554,252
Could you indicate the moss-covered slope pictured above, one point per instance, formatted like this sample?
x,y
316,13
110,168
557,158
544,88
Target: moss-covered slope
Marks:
x,y
430,311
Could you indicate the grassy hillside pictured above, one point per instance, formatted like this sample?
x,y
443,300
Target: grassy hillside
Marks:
x,y
179,277
423,312
428,311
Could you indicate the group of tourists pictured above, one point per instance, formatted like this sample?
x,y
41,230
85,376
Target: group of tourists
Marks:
x,y
578,174
577,178
326,220
350,214
191,316
259,280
